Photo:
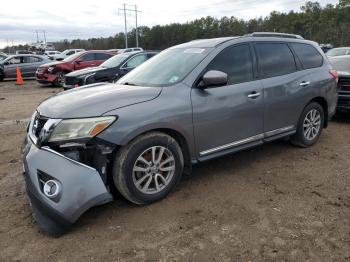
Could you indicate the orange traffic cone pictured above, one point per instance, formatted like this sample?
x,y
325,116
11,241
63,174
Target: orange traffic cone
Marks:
x,y
19,77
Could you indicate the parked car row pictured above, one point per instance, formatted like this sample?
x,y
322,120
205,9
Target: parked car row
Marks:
x,y
109,71
190,103
54,72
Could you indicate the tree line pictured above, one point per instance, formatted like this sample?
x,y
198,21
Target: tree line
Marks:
x,y
328,24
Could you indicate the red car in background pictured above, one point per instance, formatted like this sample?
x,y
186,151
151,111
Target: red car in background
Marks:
x,y
53,73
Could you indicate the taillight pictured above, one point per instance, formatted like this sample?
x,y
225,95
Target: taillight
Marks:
x,y
335,75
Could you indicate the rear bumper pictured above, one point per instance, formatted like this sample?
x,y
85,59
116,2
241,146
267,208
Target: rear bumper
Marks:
x,y
80,186
343,101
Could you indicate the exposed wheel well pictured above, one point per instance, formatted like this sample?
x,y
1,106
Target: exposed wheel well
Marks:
x,y
324,105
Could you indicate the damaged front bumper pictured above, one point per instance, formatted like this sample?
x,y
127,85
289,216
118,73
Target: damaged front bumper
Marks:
x,y
60,189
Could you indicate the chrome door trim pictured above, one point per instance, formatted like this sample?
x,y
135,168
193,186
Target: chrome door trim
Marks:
x,y
279,131
236,143
247,140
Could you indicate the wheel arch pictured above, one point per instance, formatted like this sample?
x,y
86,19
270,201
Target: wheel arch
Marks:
x,y
174,133
323,102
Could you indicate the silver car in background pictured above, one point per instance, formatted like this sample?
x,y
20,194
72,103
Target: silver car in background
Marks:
x,y
28,65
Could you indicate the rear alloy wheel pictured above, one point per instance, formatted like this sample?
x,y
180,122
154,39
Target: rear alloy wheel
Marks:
x,y
310,125
148,168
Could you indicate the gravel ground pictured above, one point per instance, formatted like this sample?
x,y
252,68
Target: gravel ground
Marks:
x,y
272,203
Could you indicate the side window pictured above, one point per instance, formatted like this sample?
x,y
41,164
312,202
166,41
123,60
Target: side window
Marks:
x,y
32,59
70,53
102,56
151,55
88,57
308,55
16,60
236,62
136,61
275,59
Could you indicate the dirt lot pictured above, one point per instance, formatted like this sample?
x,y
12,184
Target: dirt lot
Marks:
x,y
272,203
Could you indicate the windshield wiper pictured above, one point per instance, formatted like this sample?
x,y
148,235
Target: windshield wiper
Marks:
x,y
129,84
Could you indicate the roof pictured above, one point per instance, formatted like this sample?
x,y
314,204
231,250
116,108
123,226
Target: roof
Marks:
x,y
202,43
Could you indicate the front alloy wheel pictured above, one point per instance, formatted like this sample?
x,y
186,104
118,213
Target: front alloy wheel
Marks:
x,y
153,170
148,168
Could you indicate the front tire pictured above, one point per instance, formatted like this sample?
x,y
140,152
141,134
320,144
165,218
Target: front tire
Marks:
x,y
310,126
59,80
148,168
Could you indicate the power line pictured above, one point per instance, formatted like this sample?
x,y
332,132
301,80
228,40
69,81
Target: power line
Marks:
x,y
124,9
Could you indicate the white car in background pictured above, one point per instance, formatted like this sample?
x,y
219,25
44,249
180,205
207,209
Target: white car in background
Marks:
x,y
340,58
66,53
339,51
51,54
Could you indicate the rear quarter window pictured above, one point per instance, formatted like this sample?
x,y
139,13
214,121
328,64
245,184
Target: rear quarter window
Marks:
x,y
275,59
308,55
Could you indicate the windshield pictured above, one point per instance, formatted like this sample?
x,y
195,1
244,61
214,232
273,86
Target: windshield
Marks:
x,y
65,52
114,61
71,57
338,52
167,68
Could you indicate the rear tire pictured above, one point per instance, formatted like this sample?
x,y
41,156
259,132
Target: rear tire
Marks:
x,y
310,125
148,168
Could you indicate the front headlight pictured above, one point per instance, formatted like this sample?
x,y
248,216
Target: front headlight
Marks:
x,y
80,128
51,68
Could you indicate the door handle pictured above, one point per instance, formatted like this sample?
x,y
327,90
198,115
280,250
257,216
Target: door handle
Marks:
x,y
305,83
254,95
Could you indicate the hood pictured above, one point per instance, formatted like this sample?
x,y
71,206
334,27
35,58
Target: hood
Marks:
x,y
96,100
86,71
52,64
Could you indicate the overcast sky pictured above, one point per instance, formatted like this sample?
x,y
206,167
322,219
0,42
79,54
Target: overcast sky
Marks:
x,y
69,19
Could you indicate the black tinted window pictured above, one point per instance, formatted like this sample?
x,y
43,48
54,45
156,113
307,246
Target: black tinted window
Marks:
x,y
236,62
88,57
275,59
308,55
102,56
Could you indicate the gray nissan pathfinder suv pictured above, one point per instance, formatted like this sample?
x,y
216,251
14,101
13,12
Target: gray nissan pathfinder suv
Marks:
x,y
192,102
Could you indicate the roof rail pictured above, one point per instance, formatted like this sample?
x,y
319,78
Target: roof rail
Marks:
x,y
274,34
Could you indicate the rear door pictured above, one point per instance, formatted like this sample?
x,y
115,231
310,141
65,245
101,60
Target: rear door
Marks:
x,y
101,57
84,61
31,64
280,78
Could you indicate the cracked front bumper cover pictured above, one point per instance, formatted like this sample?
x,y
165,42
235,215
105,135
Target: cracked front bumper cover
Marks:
x,y
81,186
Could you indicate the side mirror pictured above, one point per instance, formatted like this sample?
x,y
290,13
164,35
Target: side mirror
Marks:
x,y
78,61
213,78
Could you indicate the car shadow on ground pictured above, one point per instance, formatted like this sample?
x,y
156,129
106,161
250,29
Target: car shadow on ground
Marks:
x,y
228,165
342,117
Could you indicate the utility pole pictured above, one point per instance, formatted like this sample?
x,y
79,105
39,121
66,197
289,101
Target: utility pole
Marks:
x,y
37,36
44,36
136,28
124,9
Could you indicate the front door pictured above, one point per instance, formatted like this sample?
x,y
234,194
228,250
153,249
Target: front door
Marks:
x,y
230,116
